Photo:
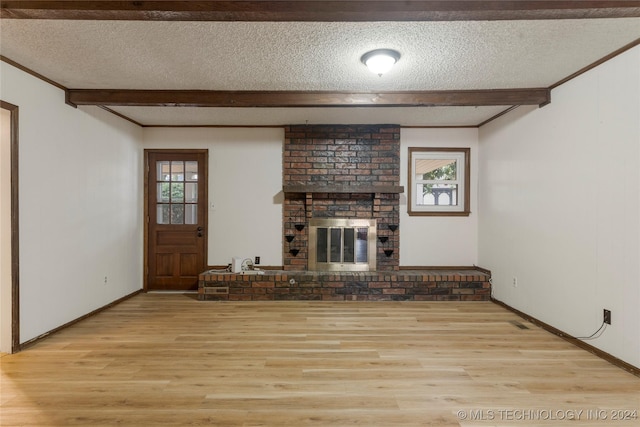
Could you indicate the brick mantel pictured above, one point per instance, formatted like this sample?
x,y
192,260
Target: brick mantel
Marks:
x,y
355,189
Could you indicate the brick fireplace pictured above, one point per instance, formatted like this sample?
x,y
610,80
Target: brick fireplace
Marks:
x,y
345,172
341,171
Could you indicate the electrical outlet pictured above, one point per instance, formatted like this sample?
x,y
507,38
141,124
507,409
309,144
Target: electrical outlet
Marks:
x,y
257,260
515,282
607,316
105,280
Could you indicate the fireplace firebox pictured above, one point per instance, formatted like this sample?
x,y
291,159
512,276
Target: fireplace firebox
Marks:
x,y
342,244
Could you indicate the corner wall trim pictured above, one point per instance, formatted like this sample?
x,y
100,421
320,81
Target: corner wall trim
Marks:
x,y
39,338
573,340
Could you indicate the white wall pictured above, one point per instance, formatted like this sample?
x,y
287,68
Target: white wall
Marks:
x,y
245,188
245,183
560,206
80,205
438,240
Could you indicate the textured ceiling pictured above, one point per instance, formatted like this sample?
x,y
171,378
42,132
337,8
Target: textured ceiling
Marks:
x,y
310,56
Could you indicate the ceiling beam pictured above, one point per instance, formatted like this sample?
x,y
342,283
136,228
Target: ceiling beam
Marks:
x,y
267,99
323,11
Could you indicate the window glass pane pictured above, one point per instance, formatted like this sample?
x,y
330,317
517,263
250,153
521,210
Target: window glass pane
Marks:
x,y
348,238
321,245
191,171
163,171
361,245
162,214
436,169
437,194
190,214
177,192
177,214
177,171
335,244
163,192
191,192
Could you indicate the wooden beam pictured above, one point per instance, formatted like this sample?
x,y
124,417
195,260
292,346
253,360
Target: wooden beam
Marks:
x,y
203,98
314,10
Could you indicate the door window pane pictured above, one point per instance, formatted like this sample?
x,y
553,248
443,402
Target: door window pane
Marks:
x,y
191,171
163,171
191,192
163,192
177,214
190,214
162,214
177,192
177,171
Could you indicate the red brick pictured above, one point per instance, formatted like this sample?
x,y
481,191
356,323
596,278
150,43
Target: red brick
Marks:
x,y
379,285
301,165
394,291
332,297
424,297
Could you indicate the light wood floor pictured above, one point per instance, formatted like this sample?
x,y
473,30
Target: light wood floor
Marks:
x,y
169,360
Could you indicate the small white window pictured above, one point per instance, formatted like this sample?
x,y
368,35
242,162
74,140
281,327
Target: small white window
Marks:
x,y
439,181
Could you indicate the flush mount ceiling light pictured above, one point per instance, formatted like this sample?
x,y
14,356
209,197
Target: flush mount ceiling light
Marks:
x,y
380,61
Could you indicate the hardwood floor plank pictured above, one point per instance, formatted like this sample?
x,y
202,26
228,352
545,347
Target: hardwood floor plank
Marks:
x,y
170,360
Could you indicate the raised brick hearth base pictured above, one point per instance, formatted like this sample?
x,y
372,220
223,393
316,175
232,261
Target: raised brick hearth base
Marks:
x,y
418,285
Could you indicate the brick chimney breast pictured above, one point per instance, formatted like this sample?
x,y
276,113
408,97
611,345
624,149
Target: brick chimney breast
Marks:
x,y
341,171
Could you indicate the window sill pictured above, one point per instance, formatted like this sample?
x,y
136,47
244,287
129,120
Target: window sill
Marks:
x,y
439,213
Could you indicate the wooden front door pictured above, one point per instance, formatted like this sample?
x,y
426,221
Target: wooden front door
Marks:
x,y
176,218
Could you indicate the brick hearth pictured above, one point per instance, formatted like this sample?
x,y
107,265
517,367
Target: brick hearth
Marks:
x,y
418,285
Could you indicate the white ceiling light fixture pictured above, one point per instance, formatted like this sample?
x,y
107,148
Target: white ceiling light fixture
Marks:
x,y
380,61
